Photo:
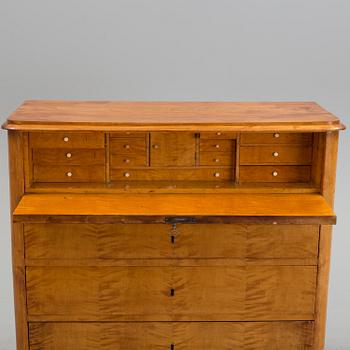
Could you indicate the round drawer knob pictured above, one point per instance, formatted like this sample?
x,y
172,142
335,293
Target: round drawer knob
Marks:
x,y
127,174
275,173
218,133
276,154
217,146
69,155
276,135
155,146
216,160
66,139
126,146
69,174
126,160
217,174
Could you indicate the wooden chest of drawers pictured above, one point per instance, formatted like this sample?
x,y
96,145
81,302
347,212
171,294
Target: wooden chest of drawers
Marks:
x,y
173,226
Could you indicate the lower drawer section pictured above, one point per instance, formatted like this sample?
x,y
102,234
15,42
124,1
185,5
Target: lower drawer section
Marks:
x,y
176,336
218,293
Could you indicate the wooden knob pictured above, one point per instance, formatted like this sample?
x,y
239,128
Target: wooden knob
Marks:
x,y
275,173
217,174
126,160
276,135
218,133
217,146
127,174
69,155
126,146
276,154
216,160
69,174
66,139
155,146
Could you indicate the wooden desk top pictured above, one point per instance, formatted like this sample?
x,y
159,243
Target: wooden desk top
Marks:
x,y
172,116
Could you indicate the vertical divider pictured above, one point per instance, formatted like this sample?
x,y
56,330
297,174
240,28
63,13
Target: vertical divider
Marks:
x,y
107,159
238,142
197,135
148,149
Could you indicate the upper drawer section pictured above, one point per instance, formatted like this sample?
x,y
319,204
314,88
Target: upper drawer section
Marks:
x,y
276,138
127,145
67,140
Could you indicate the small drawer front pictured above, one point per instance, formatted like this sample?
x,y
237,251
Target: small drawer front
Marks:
x,y
66,140
127,134
66,173
127,145
47,156
276,138
128,160
161,174
218,135
171,335
160,241
216,158
275,155
278,173
218,293
216,145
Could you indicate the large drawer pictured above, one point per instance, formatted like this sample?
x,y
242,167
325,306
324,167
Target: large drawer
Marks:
x,y
145,241
66,139
168,336
217,293
276,138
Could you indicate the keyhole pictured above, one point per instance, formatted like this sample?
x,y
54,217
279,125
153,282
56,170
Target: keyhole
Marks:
x,y
173,239
172,292
172,347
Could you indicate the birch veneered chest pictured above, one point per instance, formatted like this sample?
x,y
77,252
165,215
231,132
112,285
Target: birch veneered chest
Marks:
x,y
144,225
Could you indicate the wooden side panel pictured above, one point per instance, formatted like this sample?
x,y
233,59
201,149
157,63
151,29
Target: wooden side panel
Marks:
x,y
16,167
172,293
140,241
164,335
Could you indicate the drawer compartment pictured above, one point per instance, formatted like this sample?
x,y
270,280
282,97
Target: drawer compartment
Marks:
x,y
128,160
161,174
164,335
49,156
218,293
216,145
276,173
157,241
66,140
127,145
216,158
276,138
127,134
250,155
68,173
218,135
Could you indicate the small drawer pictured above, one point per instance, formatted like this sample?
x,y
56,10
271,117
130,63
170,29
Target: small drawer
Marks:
x,y
66,156
127,134
216,145
127,145
194,174
266,173
276,137
67,140
215,158
218,135
67,173
301,155
128,160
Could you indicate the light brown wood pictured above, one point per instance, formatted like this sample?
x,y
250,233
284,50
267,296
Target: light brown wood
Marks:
x,y
144,293
218,135
168,116
216,145
157,241
276,154
127,145
128,160
161,335
276,205
173,149
276,138
216,158
274,173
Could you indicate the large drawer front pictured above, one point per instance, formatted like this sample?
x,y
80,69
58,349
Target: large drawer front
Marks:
x,y
140,241
177,336
218,293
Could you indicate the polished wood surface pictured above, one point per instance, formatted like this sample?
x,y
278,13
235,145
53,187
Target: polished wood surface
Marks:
x,y
302,205
162,335
185,116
